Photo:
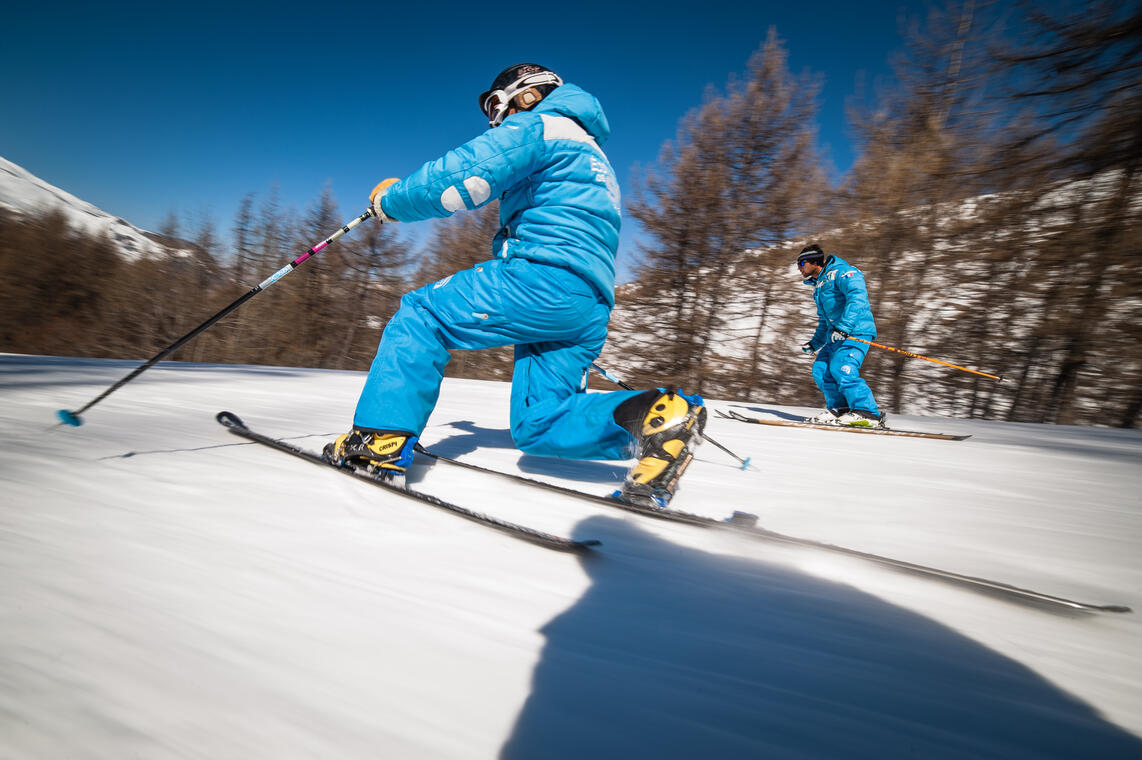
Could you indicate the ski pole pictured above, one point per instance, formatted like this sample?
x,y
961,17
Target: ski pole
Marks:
x,y
997,378
607,375
73,418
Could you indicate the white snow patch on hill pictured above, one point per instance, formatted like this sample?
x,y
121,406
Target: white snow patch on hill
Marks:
x,y
26,194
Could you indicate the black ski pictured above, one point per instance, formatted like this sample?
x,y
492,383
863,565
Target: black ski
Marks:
x,y
612,500
746,523
732,415
235,425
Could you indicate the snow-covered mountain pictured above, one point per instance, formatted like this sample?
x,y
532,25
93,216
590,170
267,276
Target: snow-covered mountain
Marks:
x,y
168,590
26,194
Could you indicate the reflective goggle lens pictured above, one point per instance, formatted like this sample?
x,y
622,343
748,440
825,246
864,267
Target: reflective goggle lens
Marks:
x,y
495,103
492,103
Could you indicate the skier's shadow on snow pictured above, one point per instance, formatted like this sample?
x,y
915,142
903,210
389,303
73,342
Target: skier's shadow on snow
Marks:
x,y
471,437
474,437
678,653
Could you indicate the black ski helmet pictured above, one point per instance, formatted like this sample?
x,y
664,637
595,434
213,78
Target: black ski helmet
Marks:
x,y
526,83
813,254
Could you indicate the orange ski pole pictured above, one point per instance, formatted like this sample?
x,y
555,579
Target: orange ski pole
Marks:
x,y
926,358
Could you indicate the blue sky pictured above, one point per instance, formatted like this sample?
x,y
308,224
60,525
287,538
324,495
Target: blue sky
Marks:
x,y
145,108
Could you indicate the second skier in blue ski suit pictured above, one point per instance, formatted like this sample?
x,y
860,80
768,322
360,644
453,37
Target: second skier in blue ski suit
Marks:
x,y
843,310
548,291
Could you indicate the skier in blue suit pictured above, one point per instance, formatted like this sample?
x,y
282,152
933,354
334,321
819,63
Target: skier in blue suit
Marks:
x,y
548,291
843,310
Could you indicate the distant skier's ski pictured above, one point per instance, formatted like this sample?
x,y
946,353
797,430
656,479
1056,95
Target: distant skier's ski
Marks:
x,y
746,524
732,415
235,425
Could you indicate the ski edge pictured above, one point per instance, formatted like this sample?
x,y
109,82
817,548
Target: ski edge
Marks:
x,y
967,580
611,500
235,425
745,523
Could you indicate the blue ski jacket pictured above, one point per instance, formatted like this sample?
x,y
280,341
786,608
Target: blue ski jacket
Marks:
x,y
842,302
559,199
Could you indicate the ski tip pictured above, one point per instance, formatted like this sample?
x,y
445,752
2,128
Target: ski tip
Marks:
x,y
69,418
229,419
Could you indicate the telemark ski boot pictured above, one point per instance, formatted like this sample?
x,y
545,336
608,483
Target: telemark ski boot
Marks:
x,y
862,418
828,416
383,453
668,432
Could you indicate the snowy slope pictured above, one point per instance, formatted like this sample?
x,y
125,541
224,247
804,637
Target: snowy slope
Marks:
x,y
167,590
23,192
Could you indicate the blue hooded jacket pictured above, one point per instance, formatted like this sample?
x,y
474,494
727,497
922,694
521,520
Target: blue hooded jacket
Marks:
x,y
842,302
559,199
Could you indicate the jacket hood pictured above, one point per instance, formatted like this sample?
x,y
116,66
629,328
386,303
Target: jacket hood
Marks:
x,y
573,101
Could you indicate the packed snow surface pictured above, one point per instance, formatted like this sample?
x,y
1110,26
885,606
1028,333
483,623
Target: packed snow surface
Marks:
x,y
168,590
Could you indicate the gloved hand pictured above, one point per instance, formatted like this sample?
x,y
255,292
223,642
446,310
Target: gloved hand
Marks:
x,y
807,347
838,335
375,199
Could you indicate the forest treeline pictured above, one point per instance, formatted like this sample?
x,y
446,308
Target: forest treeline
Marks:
x,y
994,207
66,293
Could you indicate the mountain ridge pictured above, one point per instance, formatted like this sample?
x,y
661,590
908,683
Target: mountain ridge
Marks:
x,y
28,195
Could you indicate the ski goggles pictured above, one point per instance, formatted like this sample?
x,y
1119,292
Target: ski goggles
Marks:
x,y
495,103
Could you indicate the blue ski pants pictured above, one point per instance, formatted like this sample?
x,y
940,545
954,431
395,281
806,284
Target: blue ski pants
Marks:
x,y
837,373
555,320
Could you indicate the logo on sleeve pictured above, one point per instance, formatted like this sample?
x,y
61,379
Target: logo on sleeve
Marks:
x,y
604,177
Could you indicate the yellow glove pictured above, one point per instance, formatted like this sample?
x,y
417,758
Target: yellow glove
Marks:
x,y
378,193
